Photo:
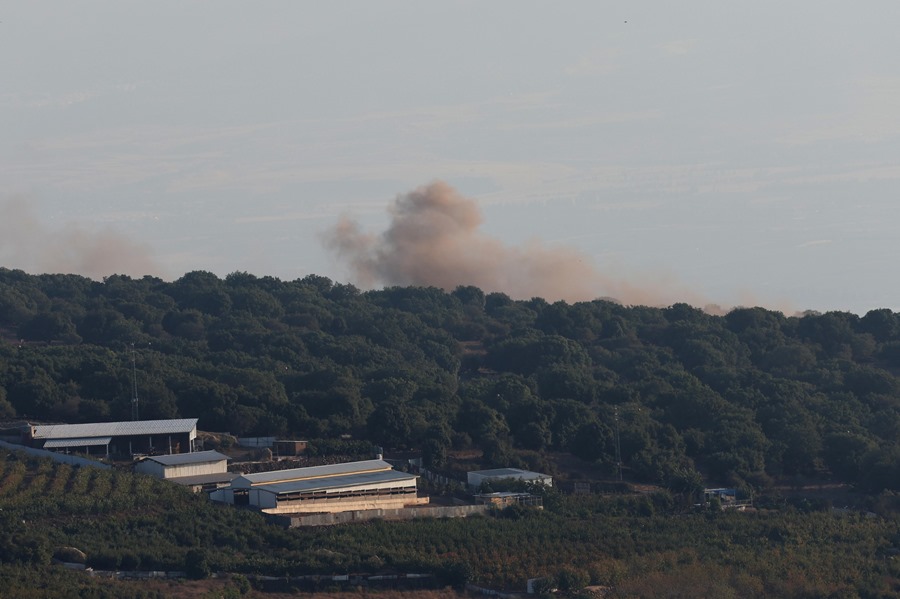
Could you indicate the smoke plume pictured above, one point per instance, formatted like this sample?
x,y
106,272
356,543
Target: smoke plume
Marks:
x,y
29,245
434,240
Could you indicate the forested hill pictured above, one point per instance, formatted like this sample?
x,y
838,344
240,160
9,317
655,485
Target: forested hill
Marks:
x,y
741,397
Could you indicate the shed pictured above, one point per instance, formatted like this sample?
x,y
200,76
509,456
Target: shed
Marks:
x,y
130,437
284,447
728,498
476,478
205,482
199,463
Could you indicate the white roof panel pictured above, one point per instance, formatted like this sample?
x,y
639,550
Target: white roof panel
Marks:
x,y
115,429
83,442
508,473
336,482
202,479
260,478
180,459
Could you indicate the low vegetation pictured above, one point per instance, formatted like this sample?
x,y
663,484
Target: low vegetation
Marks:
x,y
639,545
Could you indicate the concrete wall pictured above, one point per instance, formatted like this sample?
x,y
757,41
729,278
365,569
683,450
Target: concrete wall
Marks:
x,y
342,504
196,469
406,513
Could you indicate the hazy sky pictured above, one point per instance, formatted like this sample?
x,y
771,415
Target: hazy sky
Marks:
x,y
729,153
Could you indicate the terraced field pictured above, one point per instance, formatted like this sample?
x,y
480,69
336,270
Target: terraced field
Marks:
x,y
641,546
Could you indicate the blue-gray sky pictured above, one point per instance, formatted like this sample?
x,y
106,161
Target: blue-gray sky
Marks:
x,y
727,153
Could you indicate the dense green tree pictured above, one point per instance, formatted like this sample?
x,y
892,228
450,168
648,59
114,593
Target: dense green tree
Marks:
x,y
592,441
391,424
202,291
741,397
881,324
49,326
18,303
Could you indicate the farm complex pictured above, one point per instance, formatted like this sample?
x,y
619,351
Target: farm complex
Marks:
x,y
365,485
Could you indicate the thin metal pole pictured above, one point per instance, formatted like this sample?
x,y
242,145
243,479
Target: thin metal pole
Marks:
x,y
618,447
134,393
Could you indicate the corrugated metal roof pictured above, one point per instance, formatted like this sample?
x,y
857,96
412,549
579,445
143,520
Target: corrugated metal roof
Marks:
x,y
507,472
180,459
202,479
260,478
502,494
336,482
82,442
115,429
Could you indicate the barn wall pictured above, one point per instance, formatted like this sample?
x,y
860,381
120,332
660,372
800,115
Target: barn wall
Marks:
x,y
405,513
345,505
196,469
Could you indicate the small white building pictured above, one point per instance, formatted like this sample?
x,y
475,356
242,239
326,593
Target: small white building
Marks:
x,y
198,463
476,478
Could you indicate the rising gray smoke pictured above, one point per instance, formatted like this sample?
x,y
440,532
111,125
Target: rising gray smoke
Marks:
x,y
31,246
434,240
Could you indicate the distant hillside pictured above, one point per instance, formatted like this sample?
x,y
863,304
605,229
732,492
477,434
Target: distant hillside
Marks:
x,y
737,399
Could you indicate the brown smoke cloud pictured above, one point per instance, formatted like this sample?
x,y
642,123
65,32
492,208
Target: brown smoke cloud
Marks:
x,y
434,240
27,244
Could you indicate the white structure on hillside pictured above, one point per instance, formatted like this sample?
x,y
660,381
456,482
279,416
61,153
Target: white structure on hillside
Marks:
x,y
104,438
199,470
183,464
366,485
476,478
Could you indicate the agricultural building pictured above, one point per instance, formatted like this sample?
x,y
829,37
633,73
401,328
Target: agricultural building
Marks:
x,y
183,464
289,448
123,438
728,498
476,478
200,470
366,485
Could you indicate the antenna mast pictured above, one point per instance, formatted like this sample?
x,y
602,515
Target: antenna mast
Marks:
x,y
134,395
618,447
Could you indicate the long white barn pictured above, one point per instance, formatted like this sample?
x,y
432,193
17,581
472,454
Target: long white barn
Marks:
x,y
141,436
366,485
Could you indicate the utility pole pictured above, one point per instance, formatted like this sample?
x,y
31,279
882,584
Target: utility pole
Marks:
x,y
134,393
618,446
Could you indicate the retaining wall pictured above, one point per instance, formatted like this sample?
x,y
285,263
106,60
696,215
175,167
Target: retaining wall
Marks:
x,y
455,511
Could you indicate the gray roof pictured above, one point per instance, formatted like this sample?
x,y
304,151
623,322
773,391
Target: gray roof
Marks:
x,y
115,429
261,478
82,442
202,479
508,473
180,459
337,482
